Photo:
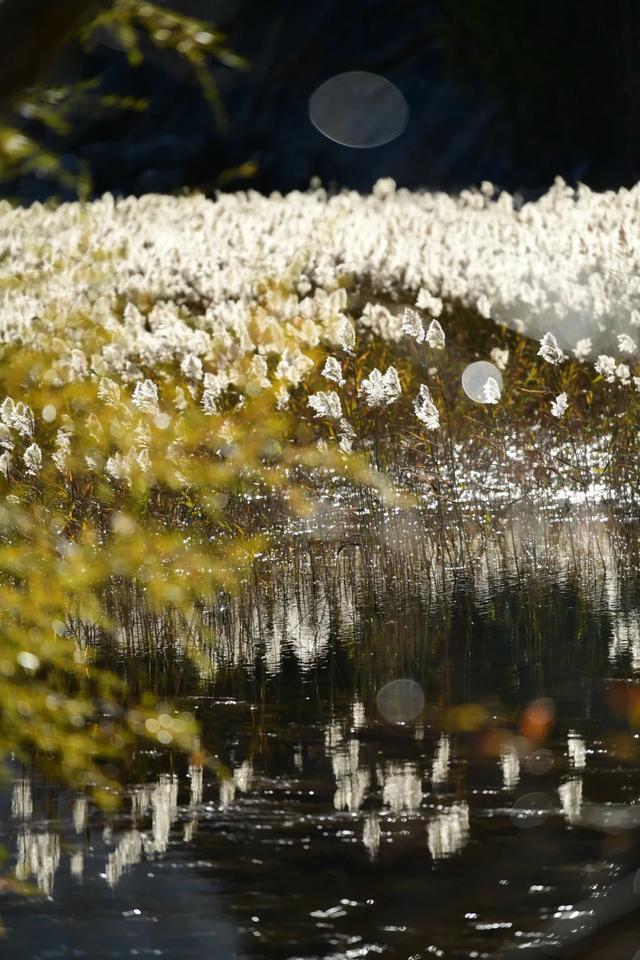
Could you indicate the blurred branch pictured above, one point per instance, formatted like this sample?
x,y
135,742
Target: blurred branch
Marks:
x,y
32,31
36,112
193,39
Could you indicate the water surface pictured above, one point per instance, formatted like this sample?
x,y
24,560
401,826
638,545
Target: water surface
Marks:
x,y
504,820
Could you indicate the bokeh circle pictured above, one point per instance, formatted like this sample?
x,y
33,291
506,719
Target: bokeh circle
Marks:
x,y
531,810
474,379
359,109
400,701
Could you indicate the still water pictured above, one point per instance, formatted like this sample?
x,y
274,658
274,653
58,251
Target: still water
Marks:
x,y
504,820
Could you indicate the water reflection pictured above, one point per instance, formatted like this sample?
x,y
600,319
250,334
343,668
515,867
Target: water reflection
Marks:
x,y
571,799
440,766
576,750
331,830
625,641
371,835
21,800
38,857
80,814
127,853
448,831
401,787
510,763
76,865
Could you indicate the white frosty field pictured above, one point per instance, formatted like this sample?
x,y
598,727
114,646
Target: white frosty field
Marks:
x,y
163,302
568,263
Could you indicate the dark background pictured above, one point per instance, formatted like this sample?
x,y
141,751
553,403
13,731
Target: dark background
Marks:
x,y
512,91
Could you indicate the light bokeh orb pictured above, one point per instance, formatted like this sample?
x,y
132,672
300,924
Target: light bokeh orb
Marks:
x,y
400,701
540,762
531,810
474,379
359,109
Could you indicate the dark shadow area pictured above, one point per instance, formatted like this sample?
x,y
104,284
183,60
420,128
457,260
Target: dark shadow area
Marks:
x,y
514,93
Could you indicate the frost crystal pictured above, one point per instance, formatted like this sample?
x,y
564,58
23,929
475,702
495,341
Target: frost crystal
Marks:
x,y
384,187
425,301
412,325
626,344
62,451
491,391
378,390
118,468
33,459
5,438
484,307
377,318
333,371
435,336
109,391
282,397
143,460
191,367
550,349
180,399
293,366
347,336
17,416
145,396
623,373
606,367
326,404
209,403
346,436
500,357
216,383
559,405
257,376
583,348
425,409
